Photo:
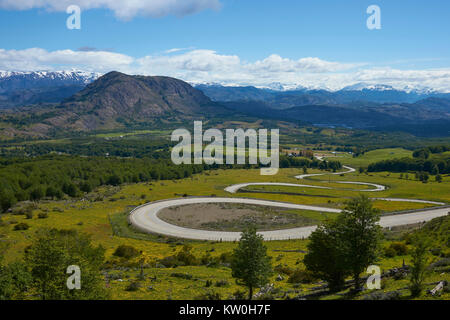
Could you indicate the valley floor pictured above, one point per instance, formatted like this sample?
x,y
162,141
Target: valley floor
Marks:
x,y
103,214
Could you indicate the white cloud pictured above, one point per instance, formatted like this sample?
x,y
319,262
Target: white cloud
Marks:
x,y
123,9
199,66
40,59
275,63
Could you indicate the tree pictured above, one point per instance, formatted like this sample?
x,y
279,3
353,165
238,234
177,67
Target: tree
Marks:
x,y
15,280
361,235
49,256
419,266
435,170
251,265
326,256
7,200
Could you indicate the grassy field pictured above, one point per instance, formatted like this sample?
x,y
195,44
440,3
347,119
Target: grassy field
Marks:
x,y
102,214
370,157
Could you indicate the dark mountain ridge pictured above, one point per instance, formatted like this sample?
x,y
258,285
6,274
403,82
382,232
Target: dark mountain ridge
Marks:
x,y
117,100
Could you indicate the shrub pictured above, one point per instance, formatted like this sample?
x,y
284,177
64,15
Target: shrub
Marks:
x,y
43,215
221,283
133,286
126,251
21,226
208,260
396,249
186,257
183,258
226,257
283,269
302,276
29,215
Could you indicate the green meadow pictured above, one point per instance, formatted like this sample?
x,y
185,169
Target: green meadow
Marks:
x,y
103,214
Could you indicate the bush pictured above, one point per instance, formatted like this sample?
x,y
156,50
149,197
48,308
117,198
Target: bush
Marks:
x,y
186,257
208,260
29,215
283,269
396,249
183,258
389,252
43,215
302,276
221,283
226,257
126,252
21,226
133,286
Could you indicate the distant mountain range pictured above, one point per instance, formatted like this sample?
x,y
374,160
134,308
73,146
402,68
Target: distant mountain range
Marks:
x,y
83,102
26,88
280,99
40,87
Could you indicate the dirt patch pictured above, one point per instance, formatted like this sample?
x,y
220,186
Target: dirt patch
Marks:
x,y
234,217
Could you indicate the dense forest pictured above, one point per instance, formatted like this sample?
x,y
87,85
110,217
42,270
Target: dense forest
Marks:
x,y
116,147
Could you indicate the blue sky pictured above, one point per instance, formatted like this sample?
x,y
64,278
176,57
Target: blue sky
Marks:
x,y
332,34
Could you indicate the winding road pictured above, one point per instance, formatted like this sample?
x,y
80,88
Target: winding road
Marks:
x,y
145,218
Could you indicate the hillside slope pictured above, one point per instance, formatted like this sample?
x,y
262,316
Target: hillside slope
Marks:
x,y
116,100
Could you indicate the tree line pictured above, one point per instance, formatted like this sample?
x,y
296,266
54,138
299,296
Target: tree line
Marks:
x,y
56,176
432,166
426,152
59,176
298,162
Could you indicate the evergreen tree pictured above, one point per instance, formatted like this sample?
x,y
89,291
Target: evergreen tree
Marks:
x,y
251,265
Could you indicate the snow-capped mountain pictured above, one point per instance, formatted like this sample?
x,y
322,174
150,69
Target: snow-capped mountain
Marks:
x,y
367,86
14,80
360,86
299,95
22,88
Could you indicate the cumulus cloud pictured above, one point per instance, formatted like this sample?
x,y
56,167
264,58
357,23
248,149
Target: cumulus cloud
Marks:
x,y
40,59
123,9
200,66
275,63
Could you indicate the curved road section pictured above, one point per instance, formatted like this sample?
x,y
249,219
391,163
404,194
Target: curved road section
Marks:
x,y
376,187
145,218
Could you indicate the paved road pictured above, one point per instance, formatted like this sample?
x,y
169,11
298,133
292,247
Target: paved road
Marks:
x,y
376,187
145,218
